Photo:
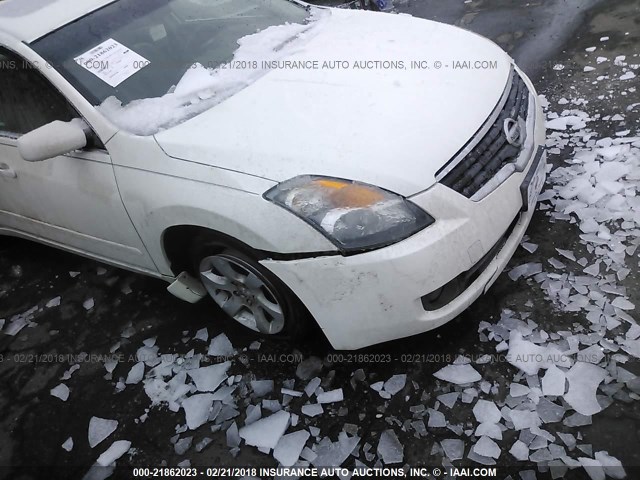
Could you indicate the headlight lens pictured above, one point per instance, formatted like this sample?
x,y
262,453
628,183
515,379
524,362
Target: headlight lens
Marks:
x,y
354,216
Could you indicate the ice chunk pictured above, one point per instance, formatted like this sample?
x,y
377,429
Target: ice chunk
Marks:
x,y
486,447
491,430
207,379
220,347
99,429
436,419
262,387
584,379
577,420
525,270
520,451
312,410
88,304
486,412
623,304
548,411
202,334
395,384
68,444
291,393
54,302
233,436
568,439
458,374
289,447
331,396
309,368
612,466
333,454
553,382
136,374
593,468
61,391
453,448
183,445
518,390
196,409
266,432
389,448
113,453
312,386
528,356
449,399
522,419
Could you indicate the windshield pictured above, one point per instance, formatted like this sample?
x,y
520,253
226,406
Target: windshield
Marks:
x,y
135,49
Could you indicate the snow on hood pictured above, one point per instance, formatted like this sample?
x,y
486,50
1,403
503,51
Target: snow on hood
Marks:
x,y
368,108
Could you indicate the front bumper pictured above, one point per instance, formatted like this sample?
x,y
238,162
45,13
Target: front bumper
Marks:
x,y
379,296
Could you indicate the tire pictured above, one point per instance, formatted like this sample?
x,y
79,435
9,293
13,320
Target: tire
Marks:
x,y
247,293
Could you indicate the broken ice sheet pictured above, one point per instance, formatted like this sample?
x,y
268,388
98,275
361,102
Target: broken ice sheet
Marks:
x,y
202,334
221,347
458,374
312,410
266,432
68,444
289,447
520,451
486,411
389,448
486,447
61,391
196,409
113,453
453,448
331,396
612,466
584,379
99,429
530,357
436,419
526,270
553,382
88,304
54,302
522,419
207,379
449,399
262,387
333,454
395,384
136,374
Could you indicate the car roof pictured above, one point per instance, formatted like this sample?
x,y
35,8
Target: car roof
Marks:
x,y
28,20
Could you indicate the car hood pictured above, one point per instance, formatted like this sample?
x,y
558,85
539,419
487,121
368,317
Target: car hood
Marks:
x,y
393,125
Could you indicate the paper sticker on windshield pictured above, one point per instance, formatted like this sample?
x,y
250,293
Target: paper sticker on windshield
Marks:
x,y
112,62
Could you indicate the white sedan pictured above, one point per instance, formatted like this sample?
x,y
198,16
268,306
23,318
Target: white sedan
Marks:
x,y
370,172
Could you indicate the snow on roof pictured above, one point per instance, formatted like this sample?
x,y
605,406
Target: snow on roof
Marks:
x,y
28,20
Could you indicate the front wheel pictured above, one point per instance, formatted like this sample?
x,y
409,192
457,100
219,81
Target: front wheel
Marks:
x,y
250,294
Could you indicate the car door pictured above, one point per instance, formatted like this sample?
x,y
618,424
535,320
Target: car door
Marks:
x,y
71,201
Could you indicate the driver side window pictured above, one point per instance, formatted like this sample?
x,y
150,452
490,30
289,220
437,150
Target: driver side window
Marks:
x,y
27,99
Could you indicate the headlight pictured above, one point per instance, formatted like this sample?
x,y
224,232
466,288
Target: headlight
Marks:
x,y
354,216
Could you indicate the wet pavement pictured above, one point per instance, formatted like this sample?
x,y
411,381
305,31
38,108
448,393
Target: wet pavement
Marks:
x,y
128,308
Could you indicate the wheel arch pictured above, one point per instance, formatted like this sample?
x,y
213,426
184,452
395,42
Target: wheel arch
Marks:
x,y
177,241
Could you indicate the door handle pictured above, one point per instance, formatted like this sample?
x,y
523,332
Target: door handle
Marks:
x,y
7,171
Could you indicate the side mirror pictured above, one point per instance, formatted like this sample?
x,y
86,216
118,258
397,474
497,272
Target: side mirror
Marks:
x,y
53,139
